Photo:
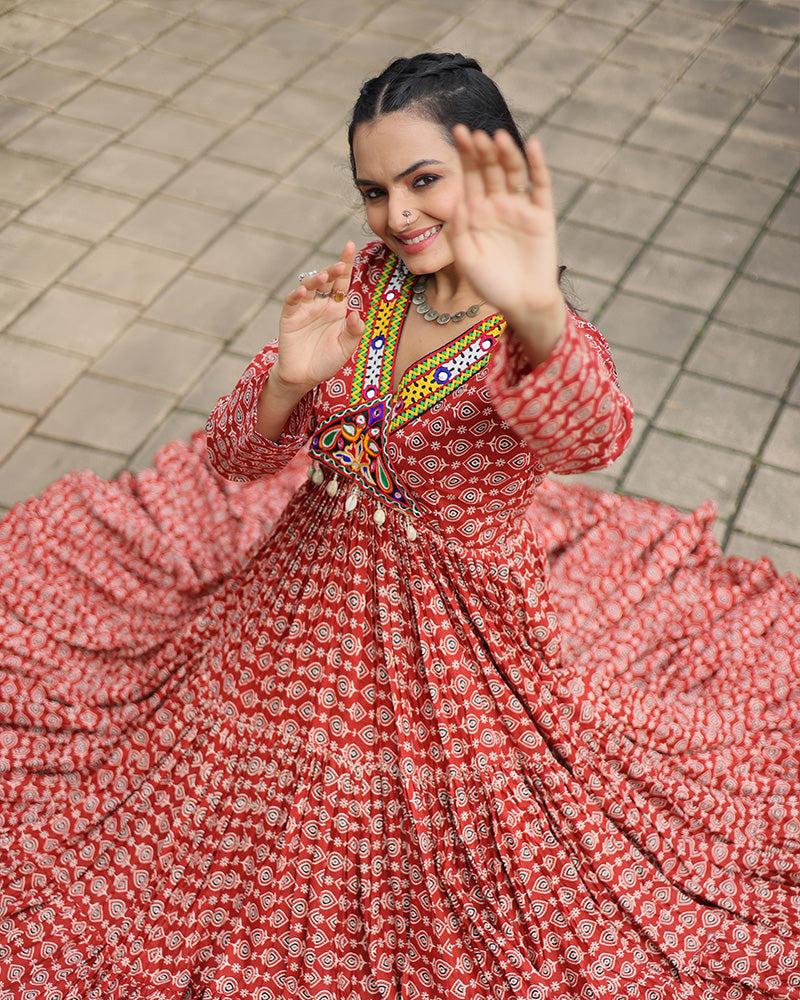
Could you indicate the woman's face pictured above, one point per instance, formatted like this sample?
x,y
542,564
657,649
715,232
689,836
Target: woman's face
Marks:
x,y
404,164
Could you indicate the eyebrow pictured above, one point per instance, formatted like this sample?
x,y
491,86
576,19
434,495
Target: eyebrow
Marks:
x,y
360,182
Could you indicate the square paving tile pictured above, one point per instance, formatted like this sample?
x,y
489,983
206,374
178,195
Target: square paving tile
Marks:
x,y
220,185
295,212
688,137
750,44
770,163
720,414
787,219
63,139
559,63
205,43
327,173
246,15
251,256
159,357
225,101
174,134
13,427
268,69
33,257
490,44
693,232
128,170
586,114
527,94
202,302
682,30
771,504
767,308
643,378
264,147
726,72
260,331
218,381
115,107
13,299
581,154
87,52
66,318
653,173
632,213
131,22
168,224
38,462
702,104
776,258
33,377
770,124
750,360
24,179
125,272
155,72
580,32
107,414
316,114
596,253
783,447
25,33
783,90
675,278
15,117
718,191
82,212
649,54
621,86
686,472
652,327
42,84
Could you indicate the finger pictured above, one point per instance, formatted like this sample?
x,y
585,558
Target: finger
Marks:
x,y
342,272
493,173
514,164
542,186
473,181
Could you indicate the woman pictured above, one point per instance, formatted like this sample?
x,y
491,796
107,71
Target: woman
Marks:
x,y
378,759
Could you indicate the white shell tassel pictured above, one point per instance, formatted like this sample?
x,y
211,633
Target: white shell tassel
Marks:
x,y
333,486
315,473
351,502
411,531
379,516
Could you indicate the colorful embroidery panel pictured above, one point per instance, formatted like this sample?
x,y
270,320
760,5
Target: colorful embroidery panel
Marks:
x,y
354,442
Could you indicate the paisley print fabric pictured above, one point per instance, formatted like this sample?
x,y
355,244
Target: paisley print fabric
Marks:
x,y
256,742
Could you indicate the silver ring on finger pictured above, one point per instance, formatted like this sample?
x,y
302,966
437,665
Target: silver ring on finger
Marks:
x,y
523,189
322,295
306,274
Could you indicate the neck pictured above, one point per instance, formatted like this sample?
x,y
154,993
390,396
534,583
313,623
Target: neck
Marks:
x,y
448,285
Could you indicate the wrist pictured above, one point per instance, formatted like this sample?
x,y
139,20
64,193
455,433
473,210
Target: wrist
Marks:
x,y
540,329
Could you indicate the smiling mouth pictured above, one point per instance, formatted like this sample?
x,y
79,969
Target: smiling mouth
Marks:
x,y
422,236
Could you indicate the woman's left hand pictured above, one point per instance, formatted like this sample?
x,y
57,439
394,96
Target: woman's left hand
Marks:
x,y
504,235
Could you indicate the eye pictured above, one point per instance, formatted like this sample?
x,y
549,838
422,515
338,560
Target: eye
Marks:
x,y
425,179
372,194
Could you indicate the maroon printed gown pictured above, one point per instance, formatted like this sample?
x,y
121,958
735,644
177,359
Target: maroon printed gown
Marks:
x,y
419,726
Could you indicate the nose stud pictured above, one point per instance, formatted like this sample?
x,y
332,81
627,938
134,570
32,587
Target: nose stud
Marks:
x,y
407,217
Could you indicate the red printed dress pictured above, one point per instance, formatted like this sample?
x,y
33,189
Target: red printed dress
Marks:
x,y
369,749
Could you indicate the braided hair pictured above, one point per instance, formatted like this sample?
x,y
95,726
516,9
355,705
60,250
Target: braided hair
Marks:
x,y
446,88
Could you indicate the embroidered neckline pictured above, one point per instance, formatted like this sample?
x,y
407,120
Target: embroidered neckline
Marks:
x,y
354,441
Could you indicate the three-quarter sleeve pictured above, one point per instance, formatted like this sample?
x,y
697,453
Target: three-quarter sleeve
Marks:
x,y
236,449
569,409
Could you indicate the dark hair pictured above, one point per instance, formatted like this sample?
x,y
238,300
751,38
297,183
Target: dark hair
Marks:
x,y
444,87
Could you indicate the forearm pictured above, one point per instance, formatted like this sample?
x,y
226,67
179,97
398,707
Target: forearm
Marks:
x,y
276,404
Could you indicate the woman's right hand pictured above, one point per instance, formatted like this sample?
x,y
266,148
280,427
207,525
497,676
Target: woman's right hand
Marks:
x,y
317,335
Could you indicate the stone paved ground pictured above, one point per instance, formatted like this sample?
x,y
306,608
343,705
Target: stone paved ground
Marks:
x,y
168,166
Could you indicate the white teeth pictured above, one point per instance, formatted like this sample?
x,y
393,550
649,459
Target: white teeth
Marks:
x,y
422,236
